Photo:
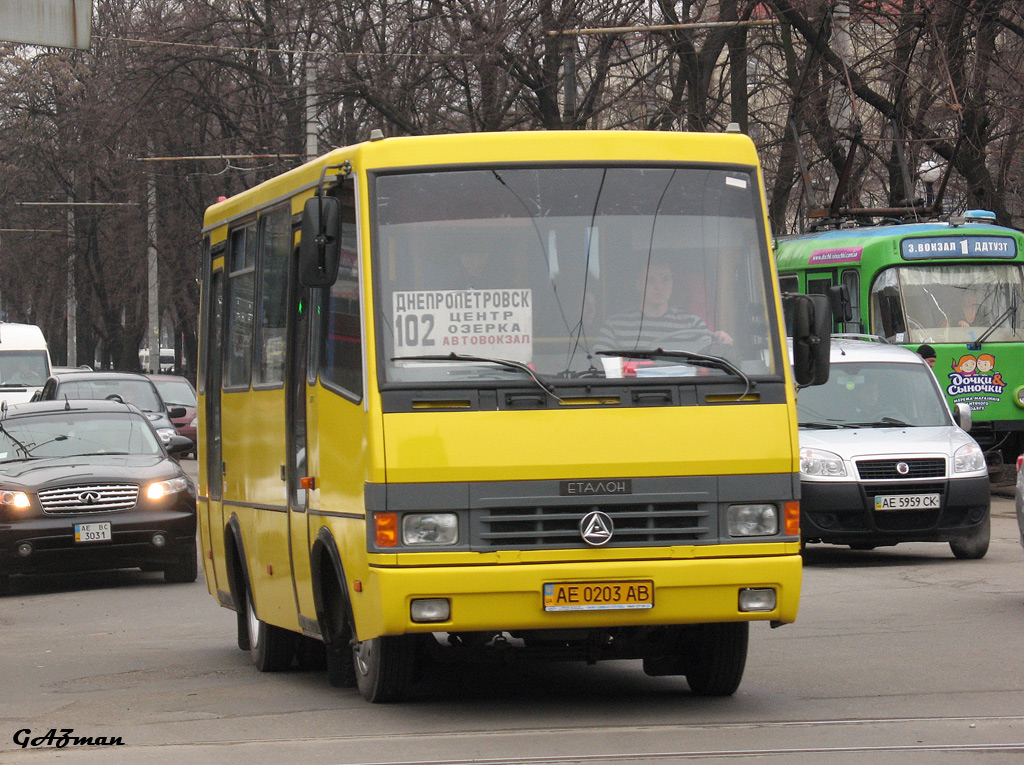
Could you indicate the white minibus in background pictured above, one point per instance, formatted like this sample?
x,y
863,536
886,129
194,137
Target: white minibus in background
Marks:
x,y
24,361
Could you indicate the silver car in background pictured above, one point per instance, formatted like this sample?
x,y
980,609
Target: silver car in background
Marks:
x,y
882,459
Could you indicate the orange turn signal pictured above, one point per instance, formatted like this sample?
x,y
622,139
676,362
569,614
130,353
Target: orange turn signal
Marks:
x,y
385,526
308,482
792,517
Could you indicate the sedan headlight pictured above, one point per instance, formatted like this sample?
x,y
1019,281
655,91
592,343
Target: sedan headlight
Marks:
x,y
753,520
969,458
161,489
17,499
818,462
165,434
430,529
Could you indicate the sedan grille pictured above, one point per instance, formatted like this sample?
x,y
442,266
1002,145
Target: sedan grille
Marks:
x,y
635,525
101,498
886,470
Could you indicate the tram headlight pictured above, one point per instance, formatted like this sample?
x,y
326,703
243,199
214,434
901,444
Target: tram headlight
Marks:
x,y
430,529
1018,396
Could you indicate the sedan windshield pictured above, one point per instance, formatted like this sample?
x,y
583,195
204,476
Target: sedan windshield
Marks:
x,y
176,392
872,394
568,272
76,434
141,393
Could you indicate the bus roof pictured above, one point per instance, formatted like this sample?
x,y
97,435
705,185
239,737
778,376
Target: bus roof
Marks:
x,y
512,147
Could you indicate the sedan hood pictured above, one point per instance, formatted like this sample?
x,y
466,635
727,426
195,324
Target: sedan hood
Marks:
x,y
100,468
854,443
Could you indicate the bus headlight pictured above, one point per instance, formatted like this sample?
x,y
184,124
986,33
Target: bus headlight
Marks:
x,y
969,458
430,529
753,520
818,462
161,489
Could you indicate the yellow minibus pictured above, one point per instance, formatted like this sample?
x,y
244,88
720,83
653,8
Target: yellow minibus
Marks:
x,y
528,390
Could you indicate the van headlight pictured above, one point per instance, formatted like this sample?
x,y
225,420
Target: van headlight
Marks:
x,y
818,462
430,529
753,520
969,458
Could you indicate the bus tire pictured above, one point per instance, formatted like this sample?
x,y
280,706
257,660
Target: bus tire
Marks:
x,y
717,658
271,648
341,666
384,667
975,545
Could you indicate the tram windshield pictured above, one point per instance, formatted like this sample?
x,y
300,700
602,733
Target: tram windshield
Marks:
x,y
949,303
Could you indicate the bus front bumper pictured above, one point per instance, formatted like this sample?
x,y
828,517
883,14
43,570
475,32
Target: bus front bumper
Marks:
x,y
511,597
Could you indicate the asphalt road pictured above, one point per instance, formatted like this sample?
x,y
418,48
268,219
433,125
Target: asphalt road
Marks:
x,y
903,654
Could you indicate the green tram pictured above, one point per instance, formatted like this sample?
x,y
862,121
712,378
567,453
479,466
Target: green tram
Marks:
x,y
957,286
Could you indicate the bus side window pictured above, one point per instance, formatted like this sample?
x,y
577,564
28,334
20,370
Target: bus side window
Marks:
x,y
241,291
342,358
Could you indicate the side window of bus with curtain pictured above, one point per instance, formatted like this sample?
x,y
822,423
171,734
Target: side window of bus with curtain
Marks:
x,y
342,364
241,291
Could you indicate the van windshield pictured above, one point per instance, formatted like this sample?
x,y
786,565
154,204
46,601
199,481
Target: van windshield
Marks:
x,y
549,266
23,368
873,394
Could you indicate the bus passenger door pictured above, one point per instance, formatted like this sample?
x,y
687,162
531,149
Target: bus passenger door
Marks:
x,y
297,443
213,459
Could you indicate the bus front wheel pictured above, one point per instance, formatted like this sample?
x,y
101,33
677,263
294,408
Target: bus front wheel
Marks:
x,y
384,667
717,658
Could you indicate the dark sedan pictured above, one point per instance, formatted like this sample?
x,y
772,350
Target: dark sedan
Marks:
x,y
88,485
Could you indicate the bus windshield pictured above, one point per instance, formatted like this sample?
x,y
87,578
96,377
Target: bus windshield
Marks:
x,y
949,303
557,268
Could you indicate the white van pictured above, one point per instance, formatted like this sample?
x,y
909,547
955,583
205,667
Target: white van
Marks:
x,y
24,362
882,459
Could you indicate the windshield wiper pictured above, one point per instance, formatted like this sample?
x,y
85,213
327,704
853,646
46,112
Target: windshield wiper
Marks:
x,y
697,359
1011,311
469,359
827,425
885,422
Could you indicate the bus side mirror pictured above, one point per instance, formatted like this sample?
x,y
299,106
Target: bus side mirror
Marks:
x,y
842,306
321,240
812,337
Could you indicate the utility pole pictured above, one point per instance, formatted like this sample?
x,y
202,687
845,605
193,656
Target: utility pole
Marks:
x,y
72,317
311,141
154,277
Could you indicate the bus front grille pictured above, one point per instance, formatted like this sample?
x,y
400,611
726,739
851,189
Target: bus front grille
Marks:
x,y
633,525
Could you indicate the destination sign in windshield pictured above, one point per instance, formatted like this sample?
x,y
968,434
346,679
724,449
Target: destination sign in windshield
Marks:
x,y
929,247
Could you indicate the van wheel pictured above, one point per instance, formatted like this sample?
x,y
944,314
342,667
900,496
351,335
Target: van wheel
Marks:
x,y
974,546
384,667
717,657
5,585
271,648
